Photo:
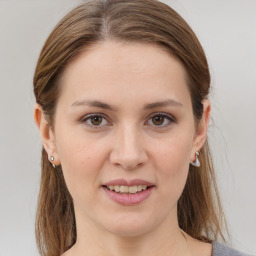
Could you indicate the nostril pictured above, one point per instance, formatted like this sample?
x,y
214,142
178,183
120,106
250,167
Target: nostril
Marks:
x,y
128,162
128,153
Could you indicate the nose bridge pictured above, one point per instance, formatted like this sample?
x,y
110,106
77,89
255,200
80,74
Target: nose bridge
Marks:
x,y
128,149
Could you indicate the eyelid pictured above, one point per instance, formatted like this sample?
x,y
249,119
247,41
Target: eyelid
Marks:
x,y
87,117
165,115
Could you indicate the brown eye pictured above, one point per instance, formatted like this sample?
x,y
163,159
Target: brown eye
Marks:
x,y
96,120
158,120
161,120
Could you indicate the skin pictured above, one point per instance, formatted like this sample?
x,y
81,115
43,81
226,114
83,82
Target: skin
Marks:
x,y
127,143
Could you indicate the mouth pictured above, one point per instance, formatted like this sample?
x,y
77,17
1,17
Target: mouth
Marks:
x,y
128,192
127,189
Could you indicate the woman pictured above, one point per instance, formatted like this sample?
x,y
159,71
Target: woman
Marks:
x,y
122,108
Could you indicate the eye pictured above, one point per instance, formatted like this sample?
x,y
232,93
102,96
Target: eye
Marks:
x,y
95,120
161,120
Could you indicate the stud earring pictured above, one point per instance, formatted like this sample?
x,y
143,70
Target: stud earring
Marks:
x,y
52,159
196,163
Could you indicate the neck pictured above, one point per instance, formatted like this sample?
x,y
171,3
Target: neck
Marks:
x,y
166,239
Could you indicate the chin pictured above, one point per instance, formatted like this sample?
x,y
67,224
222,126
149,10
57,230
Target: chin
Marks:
x,y
130,225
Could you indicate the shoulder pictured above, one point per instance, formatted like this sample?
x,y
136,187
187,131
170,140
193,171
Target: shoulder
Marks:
x,y
223,250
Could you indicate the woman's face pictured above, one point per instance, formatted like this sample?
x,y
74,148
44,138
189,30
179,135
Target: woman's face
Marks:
x,y
124,117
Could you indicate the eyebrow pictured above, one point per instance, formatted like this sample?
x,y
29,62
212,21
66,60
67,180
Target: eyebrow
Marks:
x,y
167,102
94,103
100,104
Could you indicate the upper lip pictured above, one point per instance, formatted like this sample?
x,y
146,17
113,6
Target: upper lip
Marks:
x,y
123,182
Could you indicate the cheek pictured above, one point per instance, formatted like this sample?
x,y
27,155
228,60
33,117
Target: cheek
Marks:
x,y
173,157
173,154
81,162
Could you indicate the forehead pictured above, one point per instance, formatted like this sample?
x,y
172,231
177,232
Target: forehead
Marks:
x,y
110,68
126,57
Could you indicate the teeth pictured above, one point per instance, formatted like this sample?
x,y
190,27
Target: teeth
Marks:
x,y
133,189
117,188
124,189
144,187
127,189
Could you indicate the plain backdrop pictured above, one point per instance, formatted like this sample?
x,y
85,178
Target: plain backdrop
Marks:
x,y
227,31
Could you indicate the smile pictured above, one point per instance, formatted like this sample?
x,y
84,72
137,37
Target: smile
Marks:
x,y
127,189
128,192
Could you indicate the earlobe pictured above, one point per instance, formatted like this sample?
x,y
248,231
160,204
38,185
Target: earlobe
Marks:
x,y
201,133
196,163
46,134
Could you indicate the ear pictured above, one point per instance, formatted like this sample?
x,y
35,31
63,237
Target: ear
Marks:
x,y
201,132
46,134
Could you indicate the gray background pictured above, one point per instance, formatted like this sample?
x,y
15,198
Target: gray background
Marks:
x,y
227,31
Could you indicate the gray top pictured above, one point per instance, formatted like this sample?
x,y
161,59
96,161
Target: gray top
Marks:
x,y
223,250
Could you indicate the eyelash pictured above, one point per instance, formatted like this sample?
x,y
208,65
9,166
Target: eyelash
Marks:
x,y
167,117
88,117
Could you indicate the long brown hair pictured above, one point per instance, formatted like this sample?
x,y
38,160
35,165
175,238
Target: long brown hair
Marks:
x,y
200,212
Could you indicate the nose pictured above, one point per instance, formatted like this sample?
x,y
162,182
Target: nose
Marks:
x,y
128,149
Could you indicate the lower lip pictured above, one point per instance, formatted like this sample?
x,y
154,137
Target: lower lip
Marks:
x,y
128,199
